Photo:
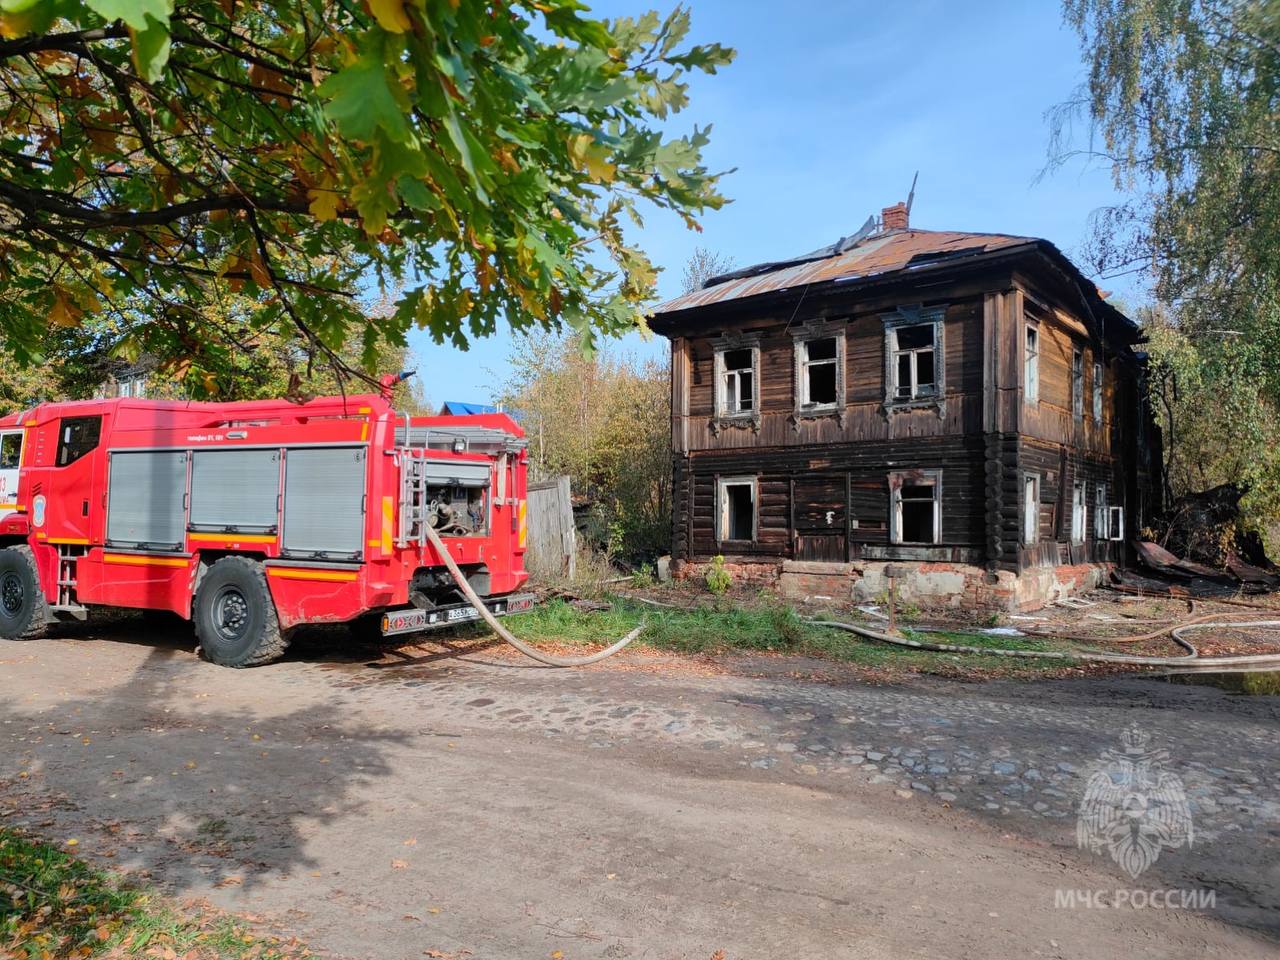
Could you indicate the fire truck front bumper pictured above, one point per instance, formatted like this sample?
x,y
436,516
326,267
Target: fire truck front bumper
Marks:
x,y
414,620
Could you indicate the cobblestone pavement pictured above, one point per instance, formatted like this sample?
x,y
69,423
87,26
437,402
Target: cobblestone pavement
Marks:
x,y
1008,749
1019,754
285,791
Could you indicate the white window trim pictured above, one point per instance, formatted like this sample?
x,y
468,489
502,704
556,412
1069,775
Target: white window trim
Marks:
x,y
1115,521
896,481
722,507
816,330
726,344
912,316
1077,383
1099,372
1030,517
1101,513
1031,363
1079,513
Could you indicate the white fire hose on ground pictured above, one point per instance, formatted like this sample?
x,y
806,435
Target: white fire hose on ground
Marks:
x,y
474,599
1192,661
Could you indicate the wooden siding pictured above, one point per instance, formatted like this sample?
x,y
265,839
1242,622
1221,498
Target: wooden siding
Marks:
x,y
864,416
822,477
823,489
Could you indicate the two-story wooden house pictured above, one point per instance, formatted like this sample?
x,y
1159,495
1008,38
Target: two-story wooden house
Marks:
x,y
965,406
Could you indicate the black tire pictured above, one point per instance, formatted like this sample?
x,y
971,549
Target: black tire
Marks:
x,y
24,612
235,616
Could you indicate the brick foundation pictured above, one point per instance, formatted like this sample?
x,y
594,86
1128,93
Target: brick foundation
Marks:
x,y
924,583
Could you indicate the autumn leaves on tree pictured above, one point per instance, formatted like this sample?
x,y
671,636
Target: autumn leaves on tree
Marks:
x,y
477,158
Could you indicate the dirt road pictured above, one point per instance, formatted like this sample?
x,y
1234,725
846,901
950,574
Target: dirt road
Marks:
x,y
477,807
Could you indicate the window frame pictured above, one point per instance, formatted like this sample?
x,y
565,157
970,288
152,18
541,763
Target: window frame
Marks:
x,y
1031,362
1079,513
1101,512
64,425
801,338
1030,517
4,436
914,316
728,344
899,478
1115,522
1099,373
1077,382
722,507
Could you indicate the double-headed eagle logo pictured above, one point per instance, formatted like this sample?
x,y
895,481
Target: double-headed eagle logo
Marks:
x,y
1133,808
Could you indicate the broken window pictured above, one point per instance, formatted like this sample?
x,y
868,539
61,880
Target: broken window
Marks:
x,y
819,383
914,374
913,358
1031,364
1078,509
737,519
1101,513
1077,383
1115,523
737,392
1097,391
916,506
1030,508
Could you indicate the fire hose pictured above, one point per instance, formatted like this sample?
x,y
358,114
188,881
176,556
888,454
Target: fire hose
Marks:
x,y
533,653
1191,659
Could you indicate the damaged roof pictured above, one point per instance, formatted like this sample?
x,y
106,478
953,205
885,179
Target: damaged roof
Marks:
x,y
879,255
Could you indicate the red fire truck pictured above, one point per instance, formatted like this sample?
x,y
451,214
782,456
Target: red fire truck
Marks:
x,y
253,518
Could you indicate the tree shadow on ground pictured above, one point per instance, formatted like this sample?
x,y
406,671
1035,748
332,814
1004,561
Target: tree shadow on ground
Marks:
x,y
224,787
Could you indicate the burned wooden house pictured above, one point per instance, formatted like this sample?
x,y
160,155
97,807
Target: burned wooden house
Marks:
x,y
965,406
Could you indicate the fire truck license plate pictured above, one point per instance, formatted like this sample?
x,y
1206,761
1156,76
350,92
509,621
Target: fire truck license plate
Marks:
x,y
413,620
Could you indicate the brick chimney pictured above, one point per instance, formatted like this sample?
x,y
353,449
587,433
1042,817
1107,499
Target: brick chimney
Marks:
x,y
894,218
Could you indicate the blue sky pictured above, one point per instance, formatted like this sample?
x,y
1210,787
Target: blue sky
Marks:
x,y
827,112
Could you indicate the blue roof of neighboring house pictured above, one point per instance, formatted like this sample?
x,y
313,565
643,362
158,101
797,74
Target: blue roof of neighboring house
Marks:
x,y
457,408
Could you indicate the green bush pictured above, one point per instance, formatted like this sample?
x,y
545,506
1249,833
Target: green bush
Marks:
x,y
719,580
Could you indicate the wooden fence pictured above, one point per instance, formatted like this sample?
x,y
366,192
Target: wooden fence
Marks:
x,y
552,538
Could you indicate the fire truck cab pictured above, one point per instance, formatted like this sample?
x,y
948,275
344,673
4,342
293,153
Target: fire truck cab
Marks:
x,y
253,518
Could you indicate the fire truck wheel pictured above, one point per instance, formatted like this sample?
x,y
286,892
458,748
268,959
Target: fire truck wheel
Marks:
x,y
24,612
235,616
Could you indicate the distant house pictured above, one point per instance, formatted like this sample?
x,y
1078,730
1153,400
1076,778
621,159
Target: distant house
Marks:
x,y
964,406
128,379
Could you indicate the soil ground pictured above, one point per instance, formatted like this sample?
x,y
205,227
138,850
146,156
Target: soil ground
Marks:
x,y
450,801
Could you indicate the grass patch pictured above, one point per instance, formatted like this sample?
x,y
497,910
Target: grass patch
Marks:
x,y
54,905
762,628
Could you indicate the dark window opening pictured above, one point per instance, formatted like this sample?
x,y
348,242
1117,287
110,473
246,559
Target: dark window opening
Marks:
x,y
77,436
917,521
913,338
10,451
739,517
822,384
917,514
824,349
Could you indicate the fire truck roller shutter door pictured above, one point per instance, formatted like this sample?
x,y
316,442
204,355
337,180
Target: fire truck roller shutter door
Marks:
x,y
324,501
145,506
235,489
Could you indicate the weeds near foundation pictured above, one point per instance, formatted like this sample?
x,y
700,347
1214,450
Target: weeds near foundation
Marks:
x,y
719,580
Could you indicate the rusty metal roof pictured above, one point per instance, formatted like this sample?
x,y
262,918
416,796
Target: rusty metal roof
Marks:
x,y
879,254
